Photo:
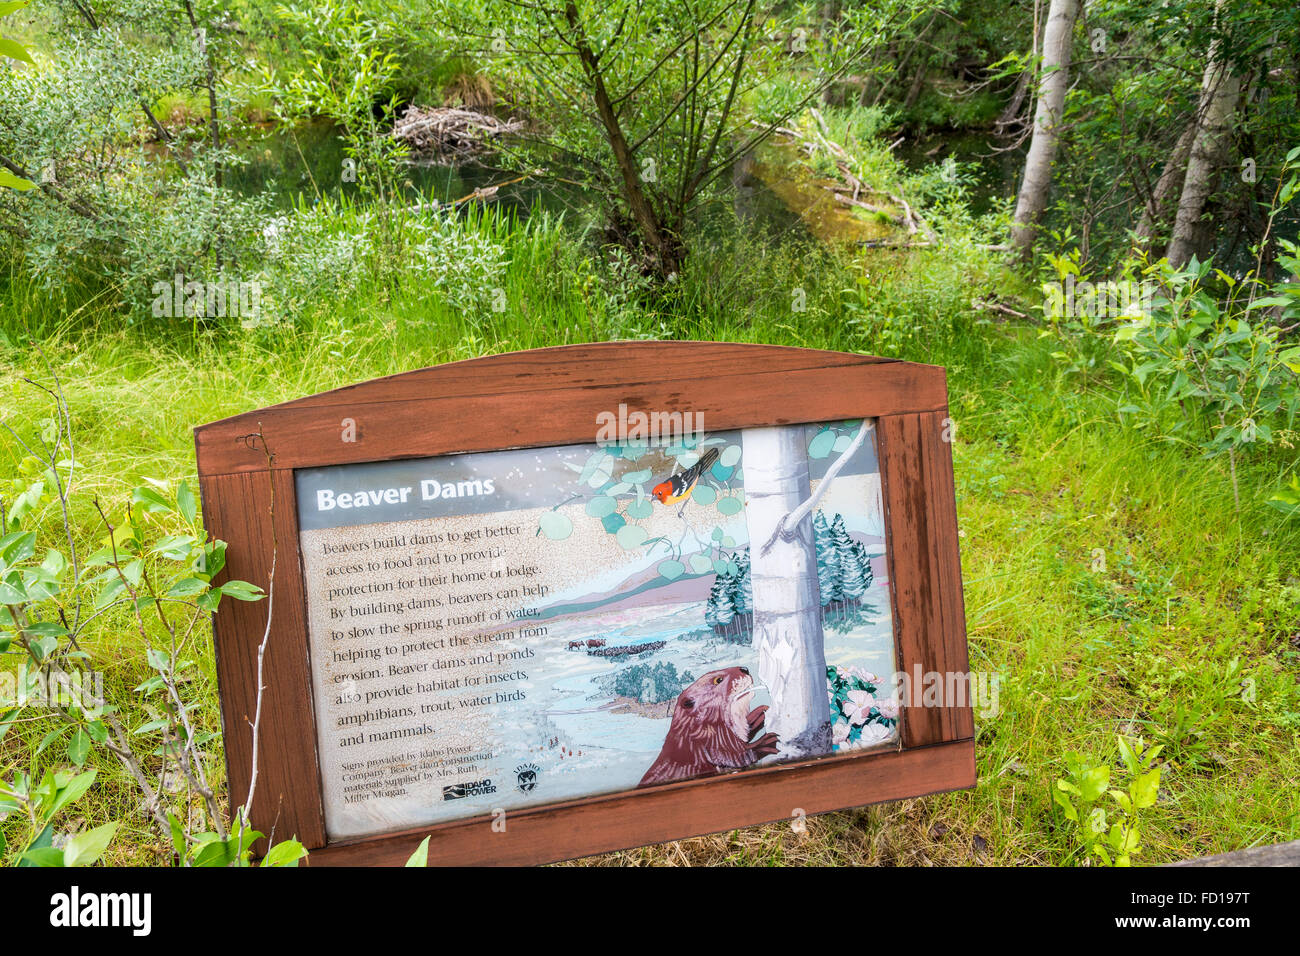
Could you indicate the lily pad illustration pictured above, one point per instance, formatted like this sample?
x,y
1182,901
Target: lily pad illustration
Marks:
x,y
672,570
555,526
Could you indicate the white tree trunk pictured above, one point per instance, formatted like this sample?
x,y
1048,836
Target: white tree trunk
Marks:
x,y
1047,118
1220,90
787,604
1155,212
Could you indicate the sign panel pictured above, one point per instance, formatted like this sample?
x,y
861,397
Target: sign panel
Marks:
x,y
521,627
546,604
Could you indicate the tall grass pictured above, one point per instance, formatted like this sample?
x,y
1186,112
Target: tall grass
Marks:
x,y
1046,478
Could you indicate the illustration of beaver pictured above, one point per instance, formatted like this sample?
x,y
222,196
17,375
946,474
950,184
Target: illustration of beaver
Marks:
x,y
713,729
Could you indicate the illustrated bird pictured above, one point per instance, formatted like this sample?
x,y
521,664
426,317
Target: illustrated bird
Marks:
x,y
676,487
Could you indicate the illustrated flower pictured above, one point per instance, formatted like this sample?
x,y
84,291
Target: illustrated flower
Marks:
x,y
840,733
858,673
874,734
857,706
888,707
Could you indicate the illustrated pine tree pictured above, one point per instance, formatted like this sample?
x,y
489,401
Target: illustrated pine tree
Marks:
x,y
720,610
828,562
741,591
864,562
853,578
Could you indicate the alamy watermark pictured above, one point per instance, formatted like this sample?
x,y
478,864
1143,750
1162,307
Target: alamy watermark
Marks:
x,y
621,427
975,689
192,299
1099,300
25,687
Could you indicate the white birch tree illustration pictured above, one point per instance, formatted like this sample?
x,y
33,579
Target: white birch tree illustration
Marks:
x,y
787,601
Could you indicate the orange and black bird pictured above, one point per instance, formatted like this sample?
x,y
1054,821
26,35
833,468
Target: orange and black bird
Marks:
x,y
676,487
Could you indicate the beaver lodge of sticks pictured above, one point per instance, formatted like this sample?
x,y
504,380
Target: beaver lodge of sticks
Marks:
x,y
445,133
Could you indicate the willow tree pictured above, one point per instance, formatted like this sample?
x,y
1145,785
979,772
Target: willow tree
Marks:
x,y
648,102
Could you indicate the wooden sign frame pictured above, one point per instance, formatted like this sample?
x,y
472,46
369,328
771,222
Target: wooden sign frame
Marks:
x,y
552,397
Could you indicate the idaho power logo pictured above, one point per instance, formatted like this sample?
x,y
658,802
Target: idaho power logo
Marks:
x,y
476,788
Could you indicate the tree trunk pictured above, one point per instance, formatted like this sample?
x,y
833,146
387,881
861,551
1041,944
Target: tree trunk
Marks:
x,y
1220,91
787,603
1012,109
918,83
642,212
1047,117
1156,211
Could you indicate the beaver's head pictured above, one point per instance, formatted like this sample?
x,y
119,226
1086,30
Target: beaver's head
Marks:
x,y
719,697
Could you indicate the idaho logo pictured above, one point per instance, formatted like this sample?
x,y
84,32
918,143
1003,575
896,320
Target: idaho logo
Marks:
x,y
526,776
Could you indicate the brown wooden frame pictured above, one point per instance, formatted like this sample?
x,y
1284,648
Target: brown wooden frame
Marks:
x,y
551,397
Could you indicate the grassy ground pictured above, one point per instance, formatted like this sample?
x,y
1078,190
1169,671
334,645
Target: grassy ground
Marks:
x,y
1048,482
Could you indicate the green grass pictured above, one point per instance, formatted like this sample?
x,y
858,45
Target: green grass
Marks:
x,y
1045,477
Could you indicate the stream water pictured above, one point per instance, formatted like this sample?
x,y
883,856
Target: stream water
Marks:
x,y
772,184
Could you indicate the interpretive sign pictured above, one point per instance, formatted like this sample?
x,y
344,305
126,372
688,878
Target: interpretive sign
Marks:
x,y
661,588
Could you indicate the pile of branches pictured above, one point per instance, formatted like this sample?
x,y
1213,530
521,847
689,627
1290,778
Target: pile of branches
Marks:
x,y
851,191
443,133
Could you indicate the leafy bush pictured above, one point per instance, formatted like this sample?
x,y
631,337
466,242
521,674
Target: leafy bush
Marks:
x,y
1205,357
120,196
462,265
1113,840
151,574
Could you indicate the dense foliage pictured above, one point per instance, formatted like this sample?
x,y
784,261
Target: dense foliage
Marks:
x,y
208,207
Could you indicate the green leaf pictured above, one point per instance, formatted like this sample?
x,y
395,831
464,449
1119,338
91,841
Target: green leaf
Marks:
x,y
15,51
12,591
113,589
672,570
85,848
178,836
600,506
1095,782
186,502
822,444
215,853
17,547
730,505
43,841
55,563
45,629
1066,805
151,500
242,591
1146,788
421,855
9,181
79,747
287,853
640,509
187,587
73,791
703,494
1126,754
631,537
43,856
133,571
98,732
555,526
